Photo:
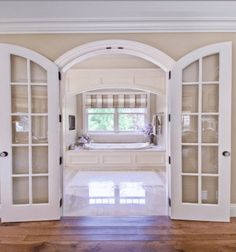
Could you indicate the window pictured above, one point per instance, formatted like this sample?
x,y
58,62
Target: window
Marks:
x,y
114,113
116,119
131,119
101,119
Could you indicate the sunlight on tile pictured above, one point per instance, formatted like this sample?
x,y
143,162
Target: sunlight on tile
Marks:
x,y
132,193
115,193
101,192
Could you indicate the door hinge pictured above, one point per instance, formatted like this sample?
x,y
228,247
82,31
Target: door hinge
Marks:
x,y
169,202
60,161
60,118
61,202
169,117
169,75
169,160
59,75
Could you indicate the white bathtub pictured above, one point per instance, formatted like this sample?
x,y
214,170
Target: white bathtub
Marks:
x,y
117,146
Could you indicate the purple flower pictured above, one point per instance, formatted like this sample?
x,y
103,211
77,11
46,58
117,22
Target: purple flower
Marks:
x,y
148,130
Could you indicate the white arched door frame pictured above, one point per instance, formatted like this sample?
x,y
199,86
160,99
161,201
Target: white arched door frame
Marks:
x,y
111,47
101,47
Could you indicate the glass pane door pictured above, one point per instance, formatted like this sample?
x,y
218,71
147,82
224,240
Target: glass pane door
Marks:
x,y
29,102
29,113
200,141
201,134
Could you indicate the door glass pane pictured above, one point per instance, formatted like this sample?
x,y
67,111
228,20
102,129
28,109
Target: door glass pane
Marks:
x,y
40,159
209,159
38,74
20,190
19,99
190,189
210,98
191,72
39,129
20,160
189,128
190,159
40,189
39,98
20,129
190,99
210,190
18,69
210,129
210,68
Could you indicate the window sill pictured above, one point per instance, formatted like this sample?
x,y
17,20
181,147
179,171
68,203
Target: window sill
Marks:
x,y
116,133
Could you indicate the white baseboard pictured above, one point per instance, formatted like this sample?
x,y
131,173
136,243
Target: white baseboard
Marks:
x,y
233,210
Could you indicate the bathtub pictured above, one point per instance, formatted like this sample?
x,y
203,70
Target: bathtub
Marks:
x,y
117,146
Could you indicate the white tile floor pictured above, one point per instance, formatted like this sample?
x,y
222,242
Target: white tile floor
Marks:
x,y
131,193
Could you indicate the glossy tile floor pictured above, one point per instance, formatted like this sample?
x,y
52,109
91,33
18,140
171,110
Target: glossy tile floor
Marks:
x,y
131,193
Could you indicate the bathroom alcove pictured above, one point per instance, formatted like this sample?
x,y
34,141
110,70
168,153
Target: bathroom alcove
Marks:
x,y
114,74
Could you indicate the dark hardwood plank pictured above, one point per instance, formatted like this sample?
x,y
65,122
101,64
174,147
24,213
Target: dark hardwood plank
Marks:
x,y
113,234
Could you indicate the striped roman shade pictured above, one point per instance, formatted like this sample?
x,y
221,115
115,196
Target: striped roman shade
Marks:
x,y
116,100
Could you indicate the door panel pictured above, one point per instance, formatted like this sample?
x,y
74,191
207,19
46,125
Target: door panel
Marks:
x,y
200,133
29,132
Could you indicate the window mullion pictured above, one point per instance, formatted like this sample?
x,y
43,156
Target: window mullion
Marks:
x,y
116,120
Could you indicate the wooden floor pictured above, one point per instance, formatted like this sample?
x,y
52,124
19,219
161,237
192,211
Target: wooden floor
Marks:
x,y
123,234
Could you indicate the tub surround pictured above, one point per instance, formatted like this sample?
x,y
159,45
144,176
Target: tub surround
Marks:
x,y
117,146
110,160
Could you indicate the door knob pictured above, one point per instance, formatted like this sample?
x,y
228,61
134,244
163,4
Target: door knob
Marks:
x,y
4,154
226,153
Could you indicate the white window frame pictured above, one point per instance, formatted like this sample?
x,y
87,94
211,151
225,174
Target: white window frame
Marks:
x,y
116,115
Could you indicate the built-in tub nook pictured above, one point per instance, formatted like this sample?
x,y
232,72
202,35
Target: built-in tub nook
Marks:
x,y
115,121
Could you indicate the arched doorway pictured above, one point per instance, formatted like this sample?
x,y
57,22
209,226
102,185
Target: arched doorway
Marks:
x,y
118,47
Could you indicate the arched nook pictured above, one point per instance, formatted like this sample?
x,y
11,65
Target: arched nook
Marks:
x,y
107,79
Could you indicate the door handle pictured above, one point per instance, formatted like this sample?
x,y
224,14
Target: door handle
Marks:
x,y
226,153
4,154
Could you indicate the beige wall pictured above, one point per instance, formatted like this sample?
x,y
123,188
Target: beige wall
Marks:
x,y
175,45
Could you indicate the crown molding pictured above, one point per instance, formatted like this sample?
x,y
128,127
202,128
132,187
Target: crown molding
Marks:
x,y
24,17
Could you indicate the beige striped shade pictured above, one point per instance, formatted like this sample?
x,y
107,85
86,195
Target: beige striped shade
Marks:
x,y
116,101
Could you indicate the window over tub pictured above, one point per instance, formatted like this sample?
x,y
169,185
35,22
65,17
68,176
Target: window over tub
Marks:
x,y
115,112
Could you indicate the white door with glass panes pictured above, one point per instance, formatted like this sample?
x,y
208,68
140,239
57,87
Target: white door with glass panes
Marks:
x,y
201,134
29,136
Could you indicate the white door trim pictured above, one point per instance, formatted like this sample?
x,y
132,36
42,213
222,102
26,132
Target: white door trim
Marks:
x,y
114,46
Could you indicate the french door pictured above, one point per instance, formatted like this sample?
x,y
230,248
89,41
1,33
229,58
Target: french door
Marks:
x,y
201,134
29,136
